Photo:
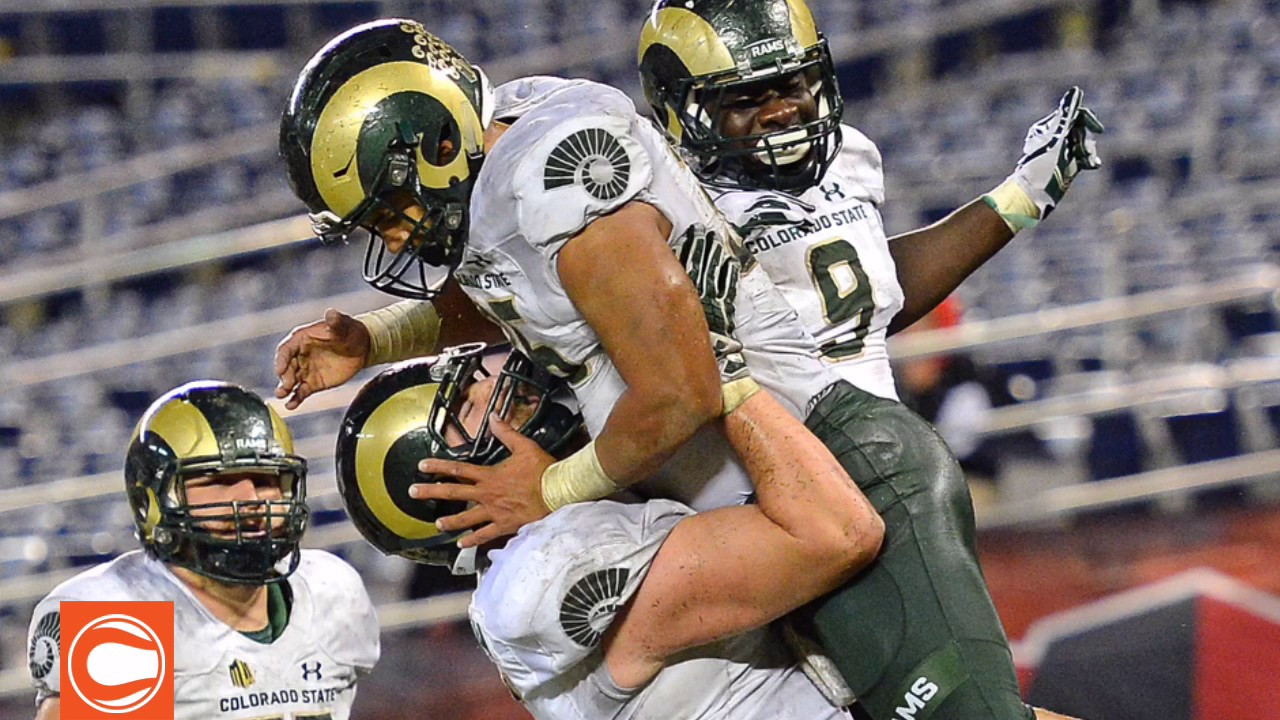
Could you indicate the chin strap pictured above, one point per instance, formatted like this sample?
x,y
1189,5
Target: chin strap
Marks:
x,y
466,562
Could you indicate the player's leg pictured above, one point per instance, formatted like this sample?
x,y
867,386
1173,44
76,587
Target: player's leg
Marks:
x,y
917,631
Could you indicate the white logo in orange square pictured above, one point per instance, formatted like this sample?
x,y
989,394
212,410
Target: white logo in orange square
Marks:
x,y
117,660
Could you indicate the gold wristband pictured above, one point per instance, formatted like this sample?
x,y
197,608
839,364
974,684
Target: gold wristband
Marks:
x,y
577,478
407,329
1013,205
736,392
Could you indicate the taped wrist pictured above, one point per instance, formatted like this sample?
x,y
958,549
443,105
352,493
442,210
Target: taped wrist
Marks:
x,y
407,329
577,478
1013,205
736,392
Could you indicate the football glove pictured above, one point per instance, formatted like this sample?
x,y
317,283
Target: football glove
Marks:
x,y
1056,149
714,269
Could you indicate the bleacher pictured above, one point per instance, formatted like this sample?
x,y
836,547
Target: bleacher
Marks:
x,y
147,235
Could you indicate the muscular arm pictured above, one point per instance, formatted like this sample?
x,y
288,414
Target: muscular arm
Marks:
x,y
933,261
729,570
623,277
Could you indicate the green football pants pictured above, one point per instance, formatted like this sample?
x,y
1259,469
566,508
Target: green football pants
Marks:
x,y
915,635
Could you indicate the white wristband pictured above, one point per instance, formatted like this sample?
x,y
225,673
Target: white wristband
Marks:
x,y
1013,205
407,329
736,392
577,478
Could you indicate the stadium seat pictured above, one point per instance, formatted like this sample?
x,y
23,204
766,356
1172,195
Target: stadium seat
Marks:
x,y
1116,448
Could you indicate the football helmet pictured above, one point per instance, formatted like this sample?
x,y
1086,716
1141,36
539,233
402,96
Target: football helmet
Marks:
x,y
384,118
695,53
213,428
416,410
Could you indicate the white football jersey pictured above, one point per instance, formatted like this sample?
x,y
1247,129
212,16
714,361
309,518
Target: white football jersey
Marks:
x,y
310,671
826,251
544,604
579,151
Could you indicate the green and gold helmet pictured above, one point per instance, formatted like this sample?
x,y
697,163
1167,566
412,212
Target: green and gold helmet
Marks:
x,y
696,53
421,409
211,428
388,116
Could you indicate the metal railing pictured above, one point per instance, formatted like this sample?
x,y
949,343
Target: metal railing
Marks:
x,y
1261,282
1057,504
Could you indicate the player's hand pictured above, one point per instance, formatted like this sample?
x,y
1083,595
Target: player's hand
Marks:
x,y
506,496
319,356
715,268
1056,149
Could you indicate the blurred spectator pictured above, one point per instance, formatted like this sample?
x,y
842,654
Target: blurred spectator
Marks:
x,y
956,395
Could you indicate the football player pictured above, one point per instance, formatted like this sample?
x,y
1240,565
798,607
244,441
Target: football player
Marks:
x,y
748,92
262,628
607,609
571,223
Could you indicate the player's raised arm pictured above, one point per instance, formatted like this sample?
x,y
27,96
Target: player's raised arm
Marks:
x,y
639,299
666,322
933,261
733,569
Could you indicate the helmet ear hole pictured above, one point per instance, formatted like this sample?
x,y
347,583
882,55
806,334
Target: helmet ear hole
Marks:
x,y
441,150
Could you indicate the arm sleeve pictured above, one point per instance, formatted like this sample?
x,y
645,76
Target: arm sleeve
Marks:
x,y
401,331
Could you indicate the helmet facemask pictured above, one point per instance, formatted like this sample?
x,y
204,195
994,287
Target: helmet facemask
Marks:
x,y
794,158
211,429
252,542
520,397
424,409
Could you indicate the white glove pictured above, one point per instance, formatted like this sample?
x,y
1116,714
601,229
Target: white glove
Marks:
x,y
1057,148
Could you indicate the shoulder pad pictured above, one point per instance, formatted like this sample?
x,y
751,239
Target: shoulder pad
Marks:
x,y
574,159
340,600
551,594
44,634
515,98
859,160
44,649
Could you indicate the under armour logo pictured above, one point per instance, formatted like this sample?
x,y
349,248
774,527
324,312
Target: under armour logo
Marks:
x,y
832,194
308,672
